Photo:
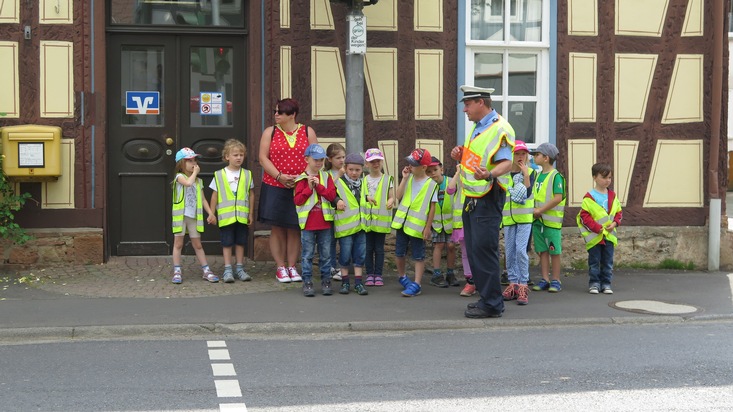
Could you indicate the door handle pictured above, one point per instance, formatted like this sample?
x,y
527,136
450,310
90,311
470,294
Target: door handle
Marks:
x,y
169,141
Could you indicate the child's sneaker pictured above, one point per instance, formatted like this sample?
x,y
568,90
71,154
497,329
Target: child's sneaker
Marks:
x,y
210,276
177,279
555,286
450,279
593,290
360,289
308,290
326,287
404,281
378,281
438,280
336,274
522,295
504,278
468,290
412,289
294,275
282,275
369,281
510,293
607,290
345,288
541,285
242,275
228,276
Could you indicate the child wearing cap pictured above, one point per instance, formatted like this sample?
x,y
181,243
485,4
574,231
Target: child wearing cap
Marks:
x,y
314,192
517,223
442,228
334,164
455,190
549,209
233,200
377,214
188,207
348,224
417,194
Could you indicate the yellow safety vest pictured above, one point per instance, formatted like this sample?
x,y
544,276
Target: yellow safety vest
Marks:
x,y
413,215
179,205
347,222
553,217
377,218
306,207
599,214
232,208
443,218
479,151
513,212
458,200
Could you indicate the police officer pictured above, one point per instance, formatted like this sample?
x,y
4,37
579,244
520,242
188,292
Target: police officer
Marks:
x,y
485,161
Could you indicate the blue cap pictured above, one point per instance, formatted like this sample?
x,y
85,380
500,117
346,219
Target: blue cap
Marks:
x,y
186,153
315,151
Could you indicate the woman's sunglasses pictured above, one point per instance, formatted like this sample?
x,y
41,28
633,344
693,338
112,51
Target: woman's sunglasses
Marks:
x,y
277,111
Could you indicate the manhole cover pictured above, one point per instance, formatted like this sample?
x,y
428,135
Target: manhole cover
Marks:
x,y
654,307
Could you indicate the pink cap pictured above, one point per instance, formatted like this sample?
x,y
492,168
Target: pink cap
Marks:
x,y
373,154
520,145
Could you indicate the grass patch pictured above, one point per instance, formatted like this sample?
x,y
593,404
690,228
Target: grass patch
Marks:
x,y
667,264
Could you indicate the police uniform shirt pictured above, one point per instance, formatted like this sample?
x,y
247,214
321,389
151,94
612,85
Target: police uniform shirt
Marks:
x,y
505,151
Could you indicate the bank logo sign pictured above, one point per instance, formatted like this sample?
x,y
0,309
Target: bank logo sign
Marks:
x,y
142,103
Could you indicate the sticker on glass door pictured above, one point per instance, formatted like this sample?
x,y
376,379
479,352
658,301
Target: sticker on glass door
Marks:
x,y
142,103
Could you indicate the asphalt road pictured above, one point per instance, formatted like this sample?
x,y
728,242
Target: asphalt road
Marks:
x,y
610,367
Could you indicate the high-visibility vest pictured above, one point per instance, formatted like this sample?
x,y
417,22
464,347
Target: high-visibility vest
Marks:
x,y
232,208
513,212
377,218
179,205
479,152
413,215
347,222
443,218
542,193
599,214
306,207
458,200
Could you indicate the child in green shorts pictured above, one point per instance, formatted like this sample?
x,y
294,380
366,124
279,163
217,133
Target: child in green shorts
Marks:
x,y
549,204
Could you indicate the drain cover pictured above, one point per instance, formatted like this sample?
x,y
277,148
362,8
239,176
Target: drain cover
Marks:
x,y
654,307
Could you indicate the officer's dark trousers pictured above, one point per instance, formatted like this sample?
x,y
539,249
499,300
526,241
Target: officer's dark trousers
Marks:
x,y
481,232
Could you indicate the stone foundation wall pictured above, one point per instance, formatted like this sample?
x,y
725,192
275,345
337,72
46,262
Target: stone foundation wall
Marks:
x,y
638,246
53,246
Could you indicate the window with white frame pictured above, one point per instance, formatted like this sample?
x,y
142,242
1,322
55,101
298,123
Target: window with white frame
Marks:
x,y
507,48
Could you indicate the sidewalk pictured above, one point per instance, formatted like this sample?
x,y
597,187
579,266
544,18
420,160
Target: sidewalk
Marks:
x,y
133,296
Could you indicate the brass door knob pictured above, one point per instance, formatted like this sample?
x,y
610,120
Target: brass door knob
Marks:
x,y
169,141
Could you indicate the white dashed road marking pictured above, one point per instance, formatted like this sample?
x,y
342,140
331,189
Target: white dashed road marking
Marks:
x,y
225,388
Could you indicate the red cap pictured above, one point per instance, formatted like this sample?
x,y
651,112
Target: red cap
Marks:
x,y
419,157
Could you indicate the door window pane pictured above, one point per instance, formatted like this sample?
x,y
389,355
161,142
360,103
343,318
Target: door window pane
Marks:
x,y
521,115
488,18
489,70
211,86
228,13
522,74
141,71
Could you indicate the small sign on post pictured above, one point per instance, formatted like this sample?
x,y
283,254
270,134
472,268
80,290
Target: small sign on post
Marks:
x,y
357,34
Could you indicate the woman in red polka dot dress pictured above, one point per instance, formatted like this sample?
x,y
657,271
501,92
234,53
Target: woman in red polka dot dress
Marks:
x,y
282,156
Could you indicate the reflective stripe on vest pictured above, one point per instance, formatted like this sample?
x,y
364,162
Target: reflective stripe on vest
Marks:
x,y
179,206
599,214
443,218
232,208
413,215
479,151
458,200
306,207
514,213
553,217
346,222
377,218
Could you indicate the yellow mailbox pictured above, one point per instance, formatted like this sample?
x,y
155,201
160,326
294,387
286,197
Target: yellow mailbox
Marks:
x,y
32,152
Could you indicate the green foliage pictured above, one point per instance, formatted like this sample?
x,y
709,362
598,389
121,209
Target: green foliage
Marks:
x,y
673,264
10,202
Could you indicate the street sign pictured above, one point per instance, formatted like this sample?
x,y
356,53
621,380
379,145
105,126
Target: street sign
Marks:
x,y
357,34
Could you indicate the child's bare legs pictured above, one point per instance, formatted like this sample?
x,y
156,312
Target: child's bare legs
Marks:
x,y
545,266
227,254
555,267
419,270
400,265
177,250
451,256
238,254
198,249
437,255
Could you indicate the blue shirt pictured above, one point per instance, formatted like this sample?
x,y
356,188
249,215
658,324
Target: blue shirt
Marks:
x,y
505,151
600,198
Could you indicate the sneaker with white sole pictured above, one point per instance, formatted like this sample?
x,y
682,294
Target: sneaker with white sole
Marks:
x,y
294,275
282,275
607,290
241,274
210,276
468,290
336,274
228,276
593,289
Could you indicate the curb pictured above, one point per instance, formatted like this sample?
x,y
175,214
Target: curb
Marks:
x,y
218,330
